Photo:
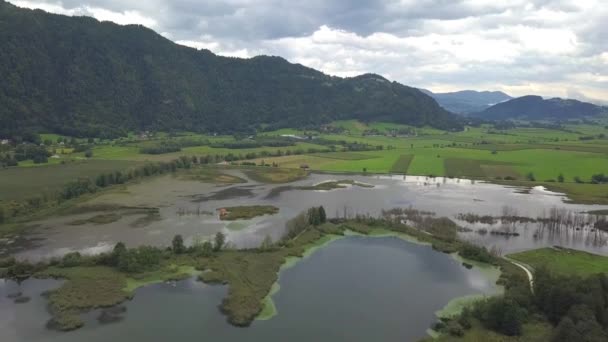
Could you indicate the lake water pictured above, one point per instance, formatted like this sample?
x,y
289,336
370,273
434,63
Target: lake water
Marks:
x,y
190,208
354,289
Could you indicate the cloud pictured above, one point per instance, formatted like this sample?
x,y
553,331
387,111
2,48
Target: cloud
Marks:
x,y
546,47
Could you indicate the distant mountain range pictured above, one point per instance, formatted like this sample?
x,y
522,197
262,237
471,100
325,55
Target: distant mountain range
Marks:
x,y
534,107
468,101
78,76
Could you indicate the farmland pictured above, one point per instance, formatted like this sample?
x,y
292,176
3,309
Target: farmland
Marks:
x,y
561,159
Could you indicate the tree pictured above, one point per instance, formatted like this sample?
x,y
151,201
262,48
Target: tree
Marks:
x,y
178,244
322,215
560,178
266,244
220,240
2,215
530,177
119,250
88,153
313,216
206,249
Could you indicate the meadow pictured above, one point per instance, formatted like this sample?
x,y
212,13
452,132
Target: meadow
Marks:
x,y
560,159
564,261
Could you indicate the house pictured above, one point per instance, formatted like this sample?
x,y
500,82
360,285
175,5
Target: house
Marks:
x,y
223,212
5,142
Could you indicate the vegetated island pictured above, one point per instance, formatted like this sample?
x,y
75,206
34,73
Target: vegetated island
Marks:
x,y
246,212
108,279
331,185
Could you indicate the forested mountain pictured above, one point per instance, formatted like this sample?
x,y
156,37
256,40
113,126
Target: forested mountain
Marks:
x,y
78,76
533,107
468,101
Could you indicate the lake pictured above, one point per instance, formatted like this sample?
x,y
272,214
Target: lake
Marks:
x,y
189,208
354,289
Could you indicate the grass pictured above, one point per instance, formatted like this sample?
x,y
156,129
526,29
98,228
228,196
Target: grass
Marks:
x,y
250,274
275,175
532,332
457,167
344,155
402,164
98,287
210,175
331,185
564,261
21,183
98,219
246,212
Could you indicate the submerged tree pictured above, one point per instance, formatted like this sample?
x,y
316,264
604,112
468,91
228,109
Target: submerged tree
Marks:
x,y
220,240
178,244
322,215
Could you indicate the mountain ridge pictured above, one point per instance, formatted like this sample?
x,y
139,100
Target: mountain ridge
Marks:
x,y
534,107
468,101
78,76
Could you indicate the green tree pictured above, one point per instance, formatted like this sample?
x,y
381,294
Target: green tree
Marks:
x,y
88,153
560,178
220,240
206,249
530,177
119,250
178,244
322,215
313,216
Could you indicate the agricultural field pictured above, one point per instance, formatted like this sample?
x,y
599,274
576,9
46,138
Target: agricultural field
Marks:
x,y
525,155
26,182
564,261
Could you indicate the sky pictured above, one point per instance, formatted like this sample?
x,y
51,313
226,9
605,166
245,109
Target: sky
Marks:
x,y
544,47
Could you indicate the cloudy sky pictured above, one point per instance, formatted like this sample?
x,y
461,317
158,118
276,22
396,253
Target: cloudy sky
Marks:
x,y
545,47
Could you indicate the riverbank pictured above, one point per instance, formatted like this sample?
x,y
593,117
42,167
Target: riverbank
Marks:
x,y
251,275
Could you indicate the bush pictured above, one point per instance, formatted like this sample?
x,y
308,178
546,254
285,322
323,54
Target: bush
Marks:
x,y
530,177
178,244
220,240
71,260
501,315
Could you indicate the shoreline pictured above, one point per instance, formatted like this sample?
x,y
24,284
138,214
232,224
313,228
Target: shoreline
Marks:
x,y
453,307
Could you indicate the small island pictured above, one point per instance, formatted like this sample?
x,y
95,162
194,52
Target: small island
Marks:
x,y
246,212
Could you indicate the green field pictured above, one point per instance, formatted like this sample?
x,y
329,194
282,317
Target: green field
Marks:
x,y
564,261
402,164
505,156
25,182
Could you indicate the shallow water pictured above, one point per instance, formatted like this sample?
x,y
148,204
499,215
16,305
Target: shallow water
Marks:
x,y
189,208
354,289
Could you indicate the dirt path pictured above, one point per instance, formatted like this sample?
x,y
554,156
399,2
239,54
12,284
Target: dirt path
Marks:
x,y
527,270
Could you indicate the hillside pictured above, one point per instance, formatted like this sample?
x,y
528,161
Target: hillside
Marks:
x,y
78,76
533,107
468,101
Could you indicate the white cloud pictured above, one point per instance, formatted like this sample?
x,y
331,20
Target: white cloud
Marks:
x,y
546,47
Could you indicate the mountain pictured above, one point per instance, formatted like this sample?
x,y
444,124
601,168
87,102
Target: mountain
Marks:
x,y
78,76
468,101
534,107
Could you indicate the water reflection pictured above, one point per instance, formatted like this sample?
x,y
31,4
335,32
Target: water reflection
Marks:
x,y
189,207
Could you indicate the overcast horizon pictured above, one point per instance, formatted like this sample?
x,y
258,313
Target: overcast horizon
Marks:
x,y
543,47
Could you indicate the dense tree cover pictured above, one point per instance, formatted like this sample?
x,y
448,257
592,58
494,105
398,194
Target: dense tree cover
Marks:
x,y
536,108
80,77
316,216
576,306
